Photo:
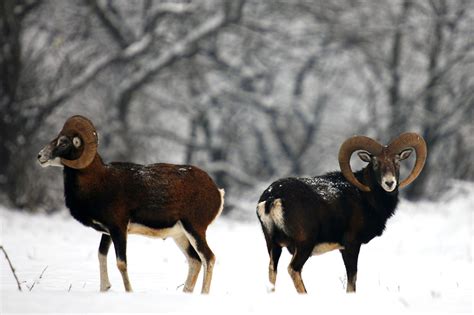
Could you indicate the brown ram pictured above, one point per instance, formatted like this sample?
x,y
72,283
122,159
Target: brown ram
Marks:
x,y
116,199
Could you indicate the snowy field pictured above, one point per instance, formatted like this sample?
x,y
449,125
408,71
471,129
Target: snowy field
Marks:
x,y
422,264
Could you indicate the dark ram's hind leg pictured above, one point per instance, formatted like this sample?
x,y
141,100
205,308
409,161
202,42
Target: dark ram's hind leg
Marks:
x,y
300,256
274,251
350,255
104,246
275,254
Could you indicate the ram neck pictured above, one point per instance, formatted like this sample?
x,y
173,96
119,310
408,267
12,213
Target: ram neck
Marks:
x,y
81,185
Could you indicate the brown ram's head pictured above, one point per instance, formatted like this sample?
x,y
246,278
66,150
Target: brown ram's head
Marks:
x,y
75,146
384,160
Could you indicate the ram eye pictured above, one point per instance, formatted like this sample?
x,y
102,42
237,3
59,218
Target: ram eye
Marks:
x,y
376,164
76,141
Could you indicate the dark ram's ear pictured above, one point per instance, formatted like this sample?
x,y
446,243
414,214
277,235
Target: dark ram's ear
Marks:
x,y
410,140
351,145
405,154
365,156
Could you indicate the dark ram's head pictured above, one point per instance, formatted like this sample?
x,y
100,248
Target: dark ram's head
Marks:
x,y
384,160
75,146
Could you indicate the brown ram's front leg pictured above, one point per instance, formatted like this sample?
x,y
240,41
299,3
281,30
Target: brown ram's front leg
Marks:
x,y
104,246
120,243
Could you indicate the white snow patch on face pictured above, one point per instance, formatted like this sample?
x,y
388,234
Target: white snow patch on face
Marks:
x,y
389,182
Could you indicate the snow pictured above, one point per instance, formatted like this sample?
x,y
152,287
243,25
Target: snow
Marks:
x,y
326,188
422,264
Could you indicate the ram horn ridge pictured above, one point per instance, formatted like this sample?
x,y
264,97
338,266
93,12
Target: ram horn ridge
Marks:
x,y
405,141
87,132
351,145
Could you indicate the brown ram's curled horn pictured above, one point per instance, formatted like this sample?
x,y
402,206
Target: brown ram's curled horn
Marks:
x,y
345,152
86,131
405,141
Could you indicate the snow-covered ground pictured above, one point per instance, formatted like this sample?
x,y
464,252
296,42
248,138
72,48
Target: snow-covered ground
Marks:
x,y
422,264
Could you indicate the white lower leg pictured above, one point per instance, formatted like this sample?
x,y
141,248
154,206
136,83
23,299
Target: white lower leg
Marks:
x,y
193,273
297,280
104,276
271,277
122,267
208,268
351,284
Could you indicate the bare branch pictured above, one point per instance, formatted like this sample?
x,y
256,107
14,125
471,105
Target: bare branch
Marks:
x,y
11,267
113,23
185,47
89,73
232,171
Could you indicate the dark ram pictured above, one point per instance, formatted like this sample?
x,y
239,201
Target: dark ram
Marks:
x,y
338,210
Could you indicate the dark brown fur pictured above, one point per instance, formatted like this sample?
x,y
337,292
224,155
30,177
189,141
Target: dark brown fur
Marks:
x,y
161,200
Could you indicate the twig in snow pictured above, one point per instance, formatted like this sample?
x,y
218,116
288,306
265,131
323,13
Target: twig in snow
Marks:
x,y
11,267
343,281
179,286
32,286
70,287
41,275
37,280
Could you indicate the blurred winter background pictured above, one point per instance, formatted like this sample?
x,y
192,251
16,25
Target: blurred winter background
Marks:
x,y
249,90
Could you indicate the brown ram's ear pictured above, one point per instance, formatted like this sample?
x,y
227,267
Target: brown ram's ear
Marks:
x,y
86,131
410,140
351,145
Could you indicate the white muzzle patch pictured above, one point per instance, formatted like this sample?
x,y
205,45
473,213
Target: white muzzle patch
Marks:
x,y
54,162
389,182
44,158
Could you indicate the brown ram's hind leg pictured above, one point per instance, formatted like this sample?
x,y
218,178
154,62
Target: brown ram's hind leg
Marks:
x,y
197,238
194,262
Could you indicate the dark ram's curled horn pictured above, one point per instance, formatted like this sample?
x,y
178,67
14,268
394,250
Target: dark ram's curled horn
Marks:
x,y
351,145
405,141
86,131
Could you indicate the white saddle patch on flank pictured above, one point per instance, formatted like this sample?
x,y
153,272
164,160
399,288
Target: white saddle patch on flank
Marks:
x,y
326,247
136,228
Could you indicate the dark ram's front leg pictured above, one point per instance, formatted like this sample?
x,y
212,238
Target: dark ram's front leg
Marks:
x,y
350,256
104,246
119,238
